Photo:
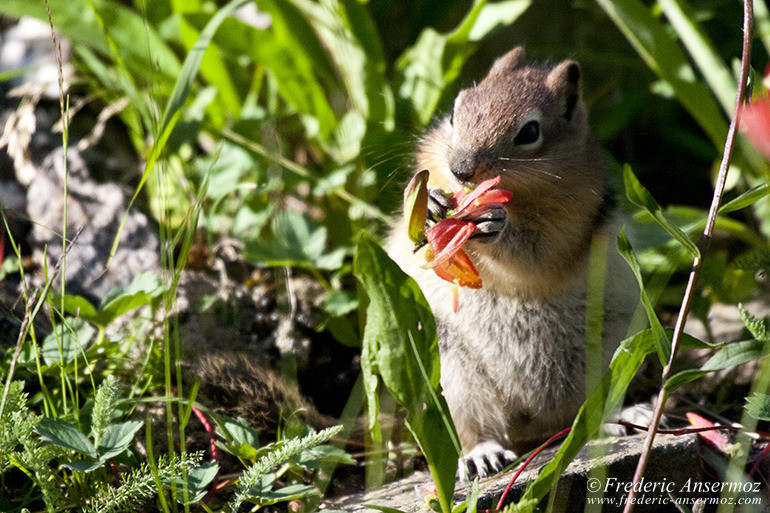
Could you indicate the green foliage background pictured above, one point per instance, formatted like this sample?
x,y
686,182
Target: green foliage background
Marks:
x,y
291,129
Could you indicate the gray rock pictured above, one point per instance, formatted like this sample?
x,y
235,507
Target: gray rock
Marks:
x,y
98,209
675,463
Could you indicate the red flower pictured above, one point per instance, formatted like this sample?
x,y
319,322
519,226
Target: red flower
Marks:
x,y
756,123
714,438
445,238
485,194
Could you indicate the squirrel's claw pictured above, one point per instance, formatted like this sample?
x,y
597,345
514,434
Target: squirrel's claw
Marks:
x,y
486,459
439,203
489,221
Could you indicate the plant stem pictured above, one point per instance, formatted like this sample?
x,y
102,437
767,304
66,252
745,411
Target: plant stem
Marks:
x,y
526,463
748,30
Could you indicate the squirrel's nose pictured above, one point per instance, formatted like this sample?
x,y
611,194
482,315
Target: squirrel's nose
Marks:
x,y
463,166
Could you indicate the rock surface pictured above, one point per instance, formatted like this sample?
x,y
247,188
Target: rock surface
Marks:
x,y
675,465
97,209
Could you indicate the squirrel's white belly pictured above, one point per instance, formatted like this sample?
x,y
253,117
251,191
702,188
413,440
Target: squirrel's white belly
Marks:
x,y
517,372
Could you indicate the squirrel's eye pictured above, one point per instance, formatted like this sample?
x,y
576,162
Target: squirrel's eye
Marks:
x,y
528,134
452,119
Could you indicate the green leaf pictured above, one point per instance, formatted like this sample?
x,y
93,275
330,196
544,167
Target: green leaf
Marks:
x,y
746,199
85,465
65,435
298,242
66,341
384,509
76,306
264,486
117,438
759,328
400,347
240,431
329,453
198,480
641,197
758,406
288,493
729,356
121,305
662,341
340,302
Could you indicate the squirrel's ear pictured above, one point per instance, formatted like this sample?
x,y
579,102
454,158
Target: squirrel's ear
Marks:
x,y
564,80
509,61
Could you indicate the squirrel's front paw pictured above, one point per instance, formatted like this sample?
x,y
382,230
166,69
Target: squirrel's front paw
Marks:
x,y
490,221
439,203
485,459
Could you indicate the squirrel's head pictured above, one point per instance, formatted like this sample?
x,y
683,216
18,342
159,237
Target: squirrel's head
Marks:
x,y
518,116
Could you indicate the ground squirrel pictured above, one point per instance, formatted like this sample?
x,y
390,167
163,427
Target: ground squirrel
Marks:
x,y
513,356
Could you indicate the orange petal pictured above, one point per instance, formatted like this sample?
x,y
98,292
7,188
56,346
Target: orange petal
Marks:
x,y
446,238
459,270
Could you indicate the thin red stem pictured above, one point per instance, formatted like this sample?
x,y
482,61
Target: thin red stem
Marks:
x,y
527,462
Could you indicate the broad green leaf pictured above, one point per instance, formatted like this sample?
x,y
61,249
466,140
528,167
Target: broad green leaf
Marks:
x,y
746,199
642,198
265,485
119,306
117,438
65,435
662,342
328,453
730,355
758,406
149,283
239,450
340,302
298,242
66,341
75,305
400,347
659,49
288,493
85,465
240,431
198,480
